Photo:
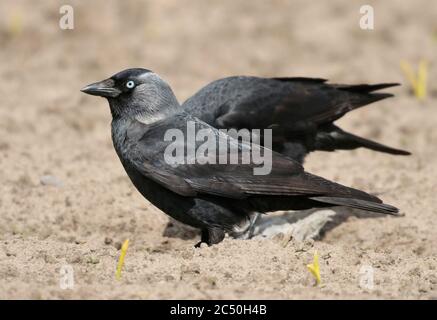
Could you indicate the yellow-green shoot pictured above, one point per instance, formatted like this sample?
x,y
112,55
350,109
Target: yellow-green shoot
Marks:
x,y
121,259
417,80
314,268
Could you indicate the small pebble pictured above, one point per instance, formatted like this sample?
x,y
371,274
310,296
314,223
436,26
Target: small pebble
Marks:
x,y
327,256
68,202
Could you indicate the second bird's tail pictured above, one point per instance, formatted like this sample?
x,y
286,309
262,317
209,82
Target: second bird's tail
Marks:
x,y
333,138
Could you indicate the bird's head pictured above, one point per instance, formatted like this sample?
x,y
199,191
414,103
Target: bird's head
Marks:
x,y
135,92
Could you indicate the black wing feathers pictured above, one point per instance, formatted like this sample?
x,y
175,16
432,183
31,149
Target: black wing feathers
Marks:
x,y
236,181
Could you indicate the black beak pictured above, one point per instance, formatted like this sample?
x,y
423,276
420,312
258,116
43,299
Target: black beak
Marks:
x,y
103,88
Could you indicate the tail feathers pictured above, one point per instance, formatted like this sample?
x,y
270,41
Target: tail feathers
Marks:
x,y
359,99
359,204
337,139
365,88
368,98
357,142
362,94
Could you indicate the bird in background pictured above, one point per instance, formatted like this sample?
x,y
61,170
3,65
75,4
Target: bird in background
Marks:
x,y
216,198
300,111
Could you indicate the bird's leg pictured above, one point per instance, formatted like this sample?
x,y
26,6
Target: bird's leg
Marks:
x,y
211,236
203,238
253,220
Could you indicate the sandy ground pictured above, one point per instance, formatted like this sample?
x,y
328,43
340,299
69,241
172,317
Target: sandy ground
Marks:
x,y
47,127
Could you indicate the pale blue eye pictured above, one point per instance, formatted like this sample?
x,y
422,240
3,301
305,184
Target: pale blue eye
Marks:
x,y
130,84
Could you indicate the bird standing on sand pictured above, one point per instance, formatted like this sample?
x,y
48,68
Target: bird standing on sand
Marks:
x,y
213,197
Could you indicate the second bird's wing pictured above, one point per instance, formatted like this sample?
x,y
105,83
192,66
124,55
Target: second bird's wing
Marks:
x,y
290,104
299,110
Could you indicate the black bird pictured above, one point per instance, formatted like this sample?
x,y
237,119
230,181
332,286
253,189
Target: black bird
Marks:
x,y
300,111
215,198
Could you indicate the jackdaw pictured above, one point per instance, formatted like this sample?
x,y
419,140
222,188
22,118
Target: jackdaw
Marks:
x,y
213,197
300,111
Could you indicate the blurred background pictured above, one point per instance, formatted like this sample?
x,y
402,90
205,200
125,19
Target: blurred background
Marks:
x,y
65,199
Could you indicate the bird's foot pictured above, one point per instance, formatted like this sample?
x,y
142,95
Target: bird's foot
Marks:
x,y
199,244
211,236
